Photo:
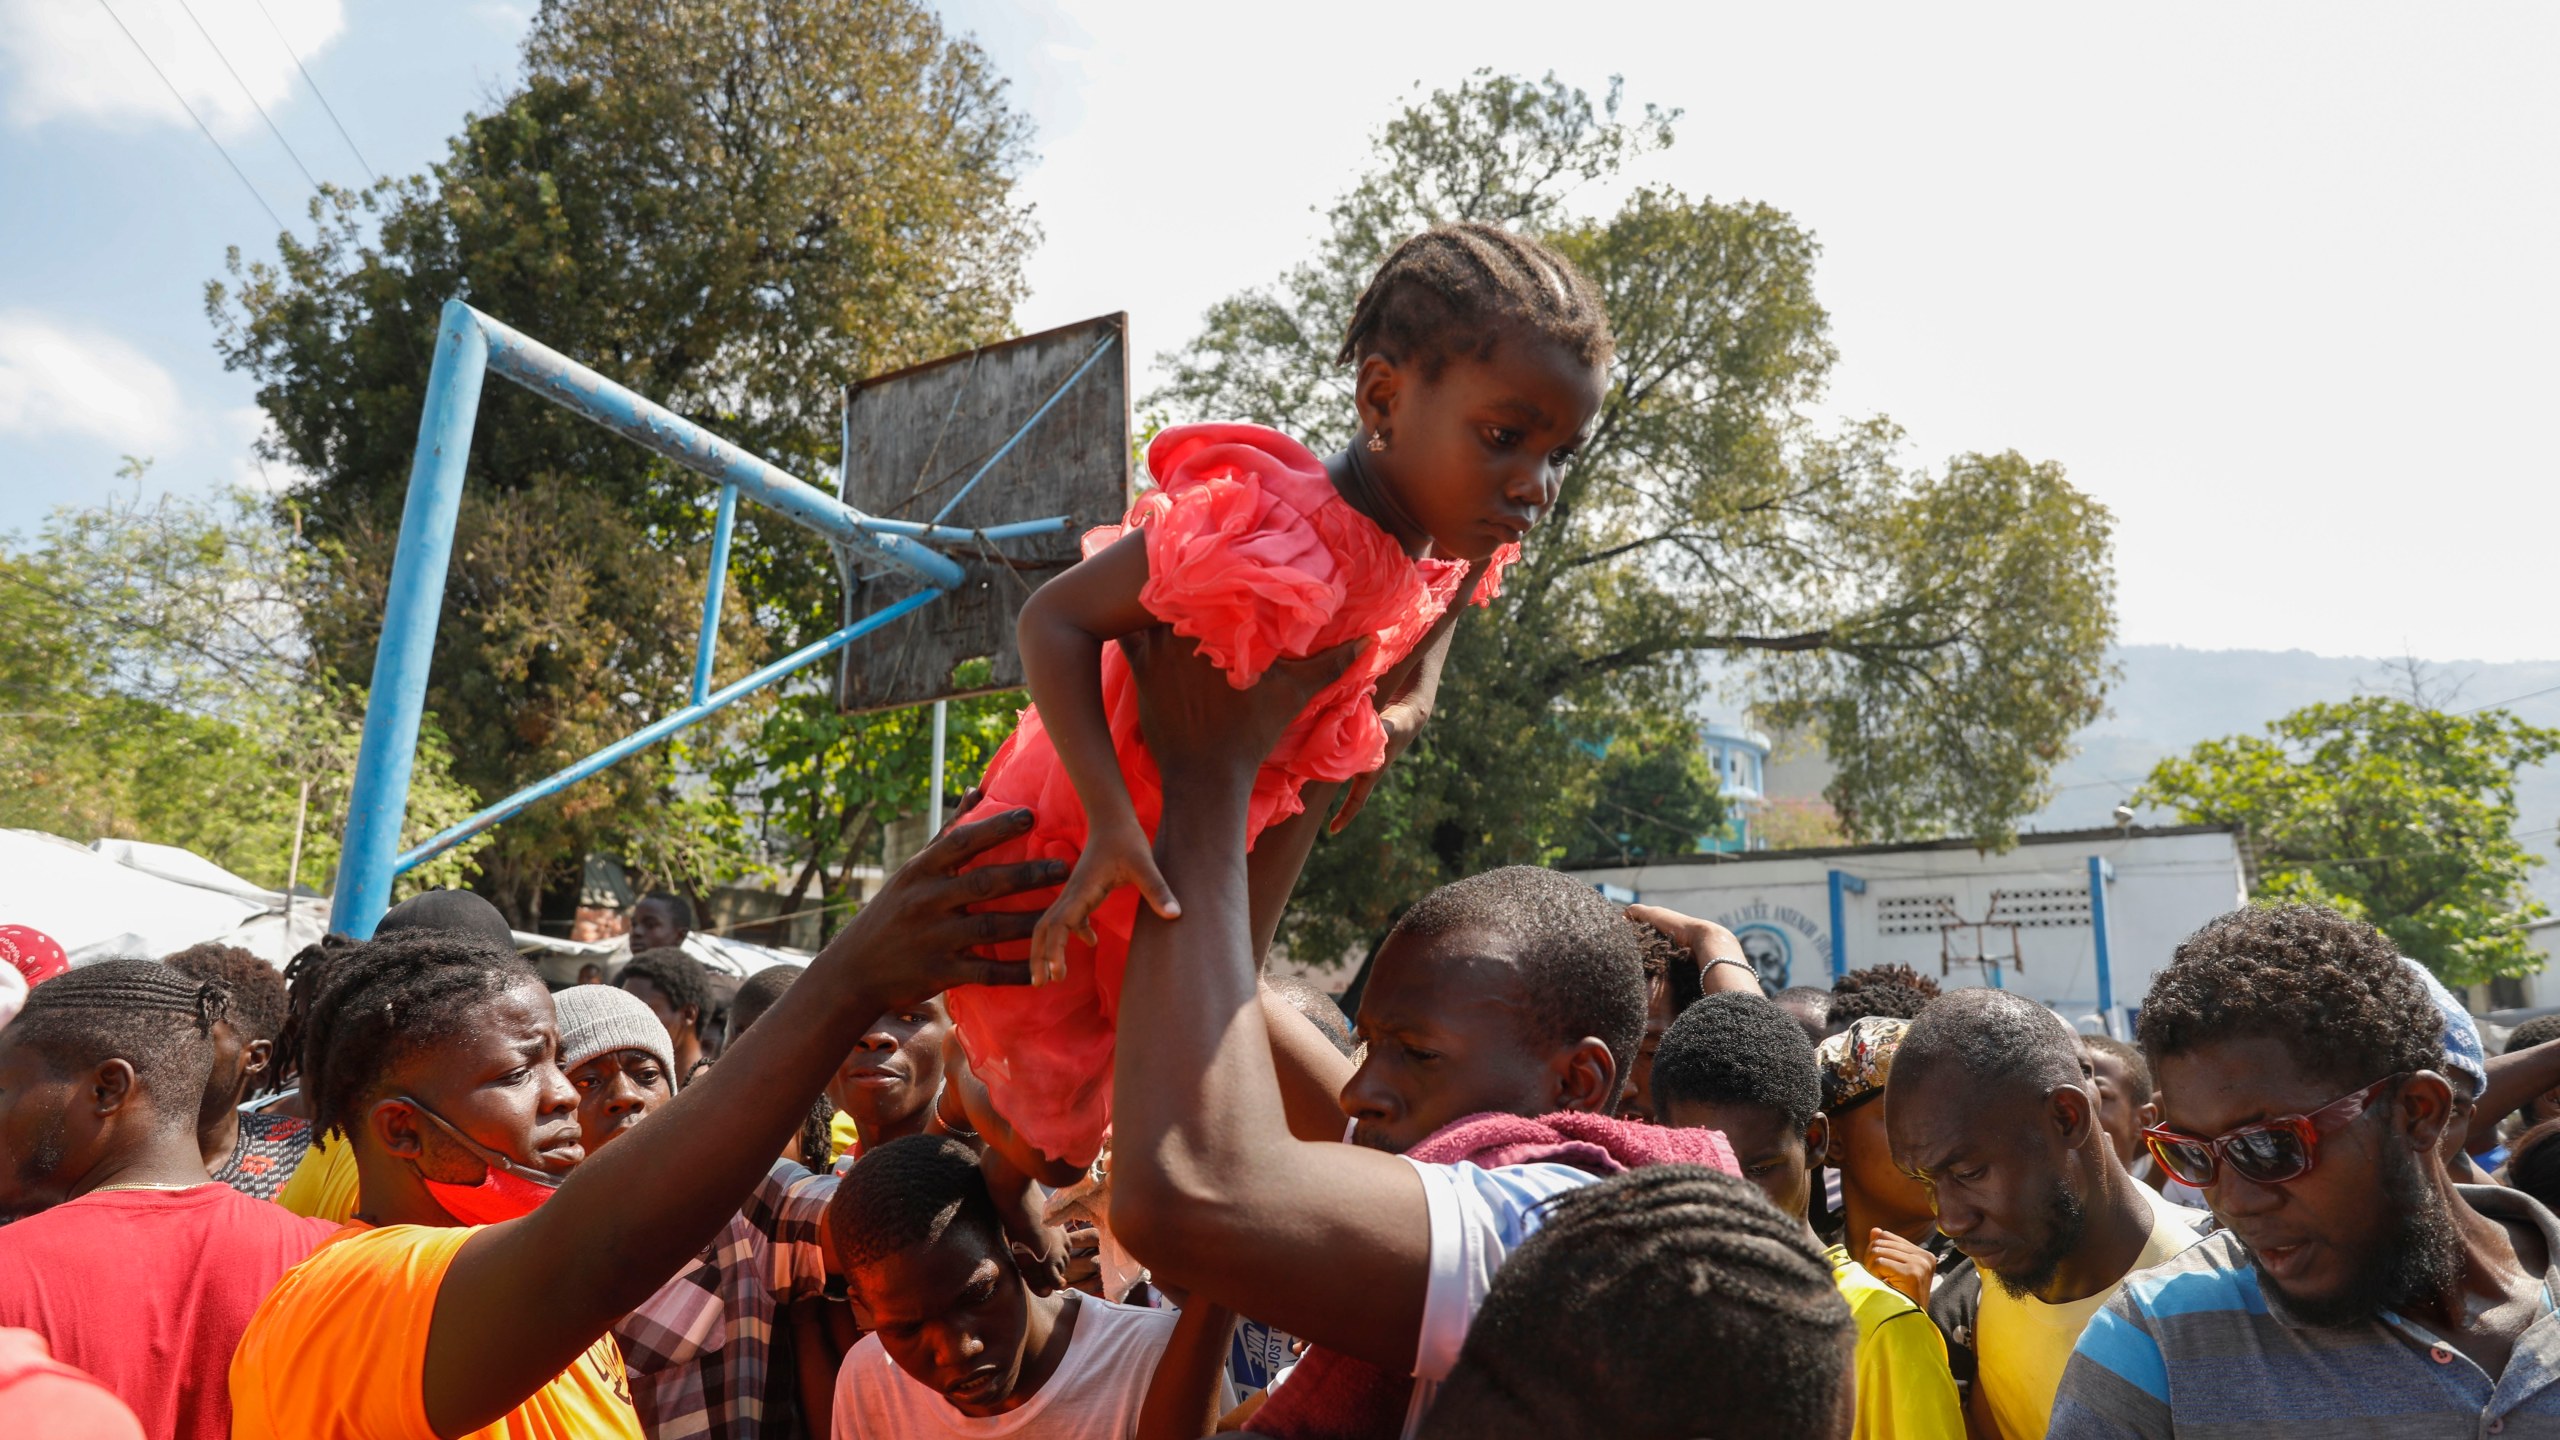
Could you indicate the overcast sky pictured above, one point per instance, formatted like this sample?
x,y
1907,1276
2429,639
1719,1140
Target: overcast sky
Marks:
x,y
2274,282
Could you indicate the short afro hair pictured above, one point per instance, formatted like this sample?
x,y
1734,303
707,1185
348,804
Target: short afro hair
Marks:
x,y
1598,1323
2533,1163
677,975
153,1018
256,990
756,996
1320,1008
1576,954
1895,991
2137,1070
1991,1037
2331,990
388,1001
2540,1030
910,1192
1737,1047
1459,289
676,906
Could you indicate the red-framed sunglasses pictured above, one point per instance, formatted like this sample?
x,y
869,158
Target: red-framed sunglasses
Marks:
x,y
2271,1152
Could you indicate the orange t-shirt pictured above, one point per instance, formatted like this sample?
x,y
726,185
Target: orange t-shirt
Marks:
x,y
339,1352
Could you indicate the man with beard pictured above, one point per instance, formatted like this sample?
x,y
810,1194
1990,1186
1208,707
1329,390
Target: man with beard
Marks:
x,y
1987,1104
2357,1290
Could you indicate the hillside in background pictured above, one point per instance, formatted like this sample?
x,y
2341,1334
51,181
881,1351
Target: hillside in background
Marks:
x,y
2170,697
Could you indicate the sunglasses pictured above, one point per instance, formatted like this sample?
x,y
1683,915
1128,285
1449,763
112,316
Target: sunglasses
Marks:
x,y
2272,1152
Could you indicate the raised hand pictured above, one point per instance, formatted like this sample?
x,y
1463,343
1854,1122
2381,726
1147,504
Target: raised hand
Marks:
x,y
1114,855
918,937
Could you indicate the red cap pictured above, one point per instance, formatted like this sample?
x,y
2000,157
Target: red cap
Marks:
x,y
36,955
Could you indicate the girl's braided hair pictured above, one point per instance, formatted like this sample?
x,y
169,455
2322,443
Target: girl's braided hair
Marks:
x,y
1596,1325
387,1000
1458,289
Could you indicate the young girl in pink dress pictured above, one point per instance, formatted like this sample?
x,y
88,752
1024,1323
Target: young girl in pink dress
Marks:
x,y
1480,363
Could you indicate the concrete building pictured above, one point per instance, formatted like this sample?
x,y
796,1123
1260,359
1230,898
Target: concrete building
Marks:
x,y
2080,920
1738,756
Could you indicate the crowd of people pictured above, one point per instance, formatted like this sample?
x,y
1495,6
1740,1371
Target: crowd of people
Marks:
x,y
1035,1147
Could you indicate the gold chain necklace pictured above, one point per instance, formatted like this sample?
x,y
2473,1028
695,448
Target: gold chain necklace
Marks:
x,y
146,1185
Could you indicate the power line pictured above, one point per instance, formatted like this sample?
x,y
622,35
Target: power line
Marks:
x,y
315,90
247,92
191,114
2510,700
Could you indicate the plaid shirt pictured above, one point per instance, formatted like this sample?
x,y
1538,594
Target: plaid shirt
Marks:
x,y
698,1352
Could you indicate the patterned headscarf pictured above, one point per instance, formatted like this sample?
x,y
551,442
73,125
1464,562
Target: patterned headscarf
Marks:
x,y
1856,1062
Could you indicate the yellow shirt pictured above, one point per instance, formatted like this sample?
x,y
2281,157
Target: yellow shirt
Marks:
x,y
338,1351
1905,1391
2022,1344
324,1184
842,1139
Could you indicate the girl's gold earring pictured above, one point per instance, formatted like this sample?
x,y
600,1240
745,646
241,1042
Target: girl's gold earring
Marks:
x,y
1377,442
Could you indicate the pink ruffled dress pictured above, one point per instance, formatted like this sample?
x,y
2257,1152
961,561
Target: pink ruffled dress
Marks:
x,y
1252,553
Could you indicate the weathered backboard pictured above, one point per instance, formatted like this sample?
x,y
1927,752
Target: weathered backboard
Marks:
x,y
913,440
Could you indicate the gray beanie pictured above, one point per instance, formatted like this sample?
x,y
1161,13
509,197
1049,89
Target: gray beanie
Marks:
x,y
595,1019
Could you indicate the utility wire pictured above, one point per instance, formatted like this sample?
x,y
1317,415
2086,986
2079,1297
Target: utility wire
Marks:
x,y
2510,700
315,90
249,94
191,114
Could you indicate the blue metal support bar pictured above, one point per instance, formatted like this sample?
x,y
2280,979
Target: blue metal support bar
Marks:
x,y
649,735
2100,872
715,589
379,799
563,381
1843,884
962,533
1007,447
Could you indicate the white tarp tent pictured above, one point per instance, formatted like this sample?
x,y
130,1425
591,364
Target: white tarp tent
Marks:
x,y
130,897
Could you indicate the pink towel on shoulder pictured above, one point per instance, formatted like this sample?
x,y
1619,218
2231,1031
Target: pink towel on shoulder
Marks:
x,y
1332,1396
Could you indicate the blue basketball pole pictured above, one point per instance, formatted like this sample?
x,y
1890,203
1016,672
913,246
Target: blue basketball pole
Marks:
x,y
468,346
379,799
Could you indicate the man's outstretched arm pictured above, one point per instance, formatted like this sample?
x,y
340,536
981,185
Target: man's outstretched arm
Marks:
x,y
1326,1241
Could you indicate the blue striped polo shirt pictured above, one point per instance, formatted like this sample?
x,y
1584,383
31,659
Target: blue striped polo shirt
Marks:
x,y
2193,1348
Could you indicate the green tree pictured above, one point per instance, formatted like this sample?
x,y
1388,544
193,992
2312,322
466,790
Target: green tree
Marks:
x,y
154,685
1942,632
736,211
2384,808
823,786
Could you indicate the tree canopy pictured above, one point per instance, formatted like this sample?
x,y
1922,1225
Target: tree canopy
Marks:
x,y
2388,809
1942,631
734,211
154,686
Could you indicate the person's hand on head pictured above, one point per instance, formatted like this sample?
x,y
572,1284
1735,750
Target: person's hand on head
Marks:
x,y
918,936
1904,1266
1192,717
1710,943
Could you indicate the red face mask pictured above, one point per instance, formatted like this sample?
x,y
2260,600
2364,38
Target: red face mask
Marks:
x,y
506,1191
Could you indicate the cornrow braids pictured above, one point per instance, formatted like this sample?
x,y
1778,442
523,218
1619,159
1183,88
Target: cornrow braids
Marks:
x,y
1459,289
1595,1326
139,1011
257,992
388,1000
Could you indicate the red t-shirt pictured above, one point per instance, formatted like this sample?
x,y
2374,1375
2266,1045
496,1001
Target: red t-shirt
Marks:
x,y
148,1291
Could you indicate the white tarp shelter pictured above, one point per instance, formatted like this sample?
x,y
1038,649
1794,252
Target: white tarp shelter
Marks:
x,y
131,897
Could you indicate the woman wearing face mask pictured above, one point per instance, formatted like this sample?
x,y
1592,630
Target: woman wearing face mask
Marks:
x,y
473,1291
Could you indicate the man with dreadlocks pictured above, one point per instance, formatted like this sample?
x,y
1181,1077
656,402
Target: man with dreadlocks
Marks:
x,y
131,1262
1480,361
474,1289
253,1152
